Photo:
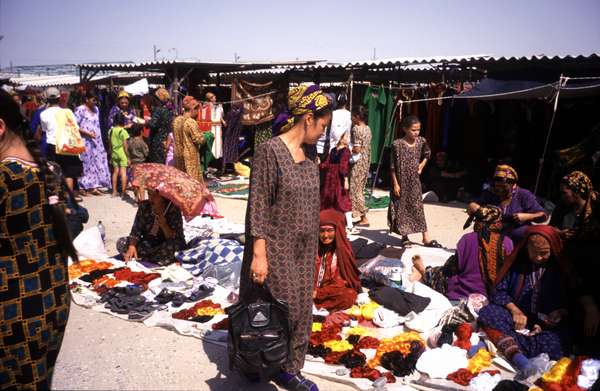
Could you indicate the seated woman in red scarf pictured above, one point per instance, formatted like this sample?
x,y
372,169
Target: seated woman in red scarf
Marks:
x,y
526,313
337,281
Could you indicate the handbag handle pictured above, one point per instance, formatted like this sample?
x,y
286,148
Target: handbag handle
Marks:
x,y
260,291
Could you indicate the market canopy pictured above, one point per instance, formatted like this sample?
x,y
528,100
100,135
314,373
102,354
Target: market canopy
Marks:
x,y
178,70
488,89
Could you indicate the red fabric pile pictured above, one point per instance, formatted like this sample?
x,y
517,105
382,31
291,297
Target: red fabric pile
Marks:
x,y
463,333
371,374
329,332
192,312
463,376
138,278
368,343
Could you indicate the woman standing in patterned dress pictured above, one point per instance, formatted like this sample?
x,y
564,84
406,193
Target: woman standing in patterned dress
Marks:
x,y
361,147
409,156
34,246
95,164
282,220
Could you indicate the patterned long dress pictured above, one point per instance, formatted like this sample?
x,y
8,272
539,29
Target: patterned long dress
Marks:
x,y
160,127
95,164
359,172
34,295
188,139
405,213
283,209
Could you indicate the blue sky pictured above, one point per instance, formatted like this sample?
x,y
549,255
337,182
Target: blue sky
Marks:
x,y
70,31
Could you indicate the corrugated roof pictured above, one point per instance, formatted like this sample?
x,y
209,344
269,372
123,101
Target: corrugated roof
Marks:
x,y
209,66
69,80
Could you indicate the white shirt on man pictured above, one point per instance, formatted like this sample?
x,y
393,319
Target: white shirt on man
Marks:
x,y
49,124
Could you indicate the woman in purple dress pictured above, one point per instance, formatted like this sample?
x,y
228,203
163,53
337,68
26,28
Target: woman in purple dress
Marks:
x,y
526,313
480,255
95,164
519,206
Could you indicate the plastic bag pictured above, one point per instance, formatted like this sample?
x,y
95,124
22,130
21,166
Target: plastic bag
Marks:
x,y
386,271
227,274
68,138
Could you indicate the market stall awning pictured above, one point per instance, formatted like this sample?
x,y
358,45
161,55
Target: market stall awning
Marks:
x,y
488,89
70,80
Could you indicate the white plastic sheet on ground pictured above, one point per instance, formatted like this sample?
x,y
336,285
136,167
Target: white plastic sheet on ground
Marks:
x,y
89,245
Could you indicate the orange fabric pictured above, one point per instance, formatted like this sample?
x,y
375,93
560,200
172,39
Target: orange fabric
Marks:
x,y
86,266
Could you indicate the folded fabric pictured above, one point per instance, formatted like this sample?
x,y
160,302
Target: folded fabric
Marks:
x,y
385,318
589,373
211,251
399,301
429,318
440,362
176,273
485,381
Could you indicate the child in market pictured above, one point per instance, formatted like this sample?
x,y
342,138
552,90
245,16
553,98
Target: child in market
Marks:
x,y
138,152
119,155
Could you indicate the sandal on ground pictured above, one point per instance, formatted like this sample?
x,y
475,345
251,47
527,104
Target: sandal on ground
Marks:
x,y
296,382
95,192
405,241
433,244
363,225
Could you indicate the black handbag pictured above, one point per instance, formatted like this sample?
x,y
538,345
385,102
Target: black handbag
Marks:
x,y
259,332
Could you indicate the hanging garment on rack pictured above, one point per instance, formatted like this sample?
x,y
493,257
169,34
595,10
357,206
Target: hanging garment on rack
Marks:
x,y
258,107
375,99
231,136
205,117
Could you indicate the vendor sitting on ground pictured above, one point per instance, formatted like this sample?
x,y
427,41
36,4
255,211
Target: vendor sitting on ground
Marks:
x,y
578,219
479,257
337,281
157,232
519,206
526,313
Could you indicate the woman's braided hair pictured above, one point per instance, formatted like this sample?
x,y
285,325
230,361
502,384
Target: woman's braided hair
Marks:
x,y
49,172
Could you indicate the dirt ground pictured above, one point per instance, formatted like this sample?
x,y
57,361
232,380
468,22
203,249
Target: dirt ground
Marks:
x,y
102,352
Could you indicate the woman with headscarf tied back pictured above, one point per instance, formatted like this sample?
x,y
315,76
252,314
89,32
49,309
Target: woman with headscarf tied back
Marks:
x,y
578,219
519,206
160,127
337,280
527,309
282,220
479,258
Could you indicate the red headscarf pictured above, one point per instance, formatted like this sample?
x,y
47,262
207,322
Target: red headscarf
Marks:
x,y
345,257
549,233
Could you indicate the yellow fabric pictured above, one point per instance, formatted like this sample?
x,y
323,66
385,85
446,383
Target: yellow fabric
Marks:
x,y
339,346
481,360
557,372
242,169
316,327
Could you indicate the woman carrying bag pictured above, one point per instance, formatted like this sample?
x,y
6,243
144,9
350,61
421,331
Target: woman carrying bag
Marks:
x,y
283,221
